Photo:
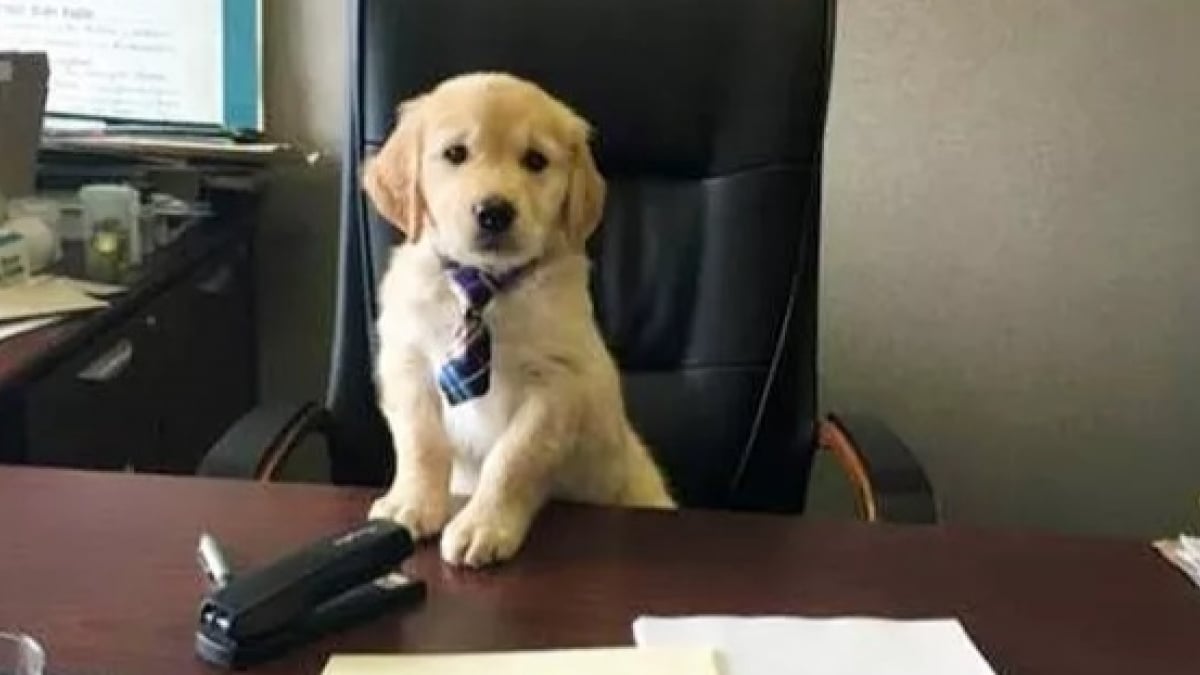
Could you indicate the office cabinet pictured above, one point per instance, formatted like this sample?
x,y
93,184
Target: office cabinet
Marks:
x,y
173,368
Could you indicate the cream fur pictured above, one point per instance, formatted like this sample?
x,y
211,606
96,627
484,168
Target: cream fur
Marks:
x,y
553,423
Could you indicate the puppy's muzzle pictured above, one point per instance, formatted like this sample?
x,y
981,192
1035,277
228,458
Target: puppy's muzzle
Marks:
x,y
495,215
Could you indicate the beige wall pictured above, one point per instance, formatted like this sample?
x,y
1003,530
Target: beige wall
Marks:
x,y
304,83
1012,241
1012,227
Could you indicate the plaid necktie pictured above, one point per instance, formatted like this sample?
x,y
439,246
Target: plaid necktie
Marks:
x,y
466,372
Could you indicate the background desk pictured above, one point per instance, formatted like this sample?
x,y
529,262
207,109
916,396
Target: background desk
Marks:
x,y
187,327
101,568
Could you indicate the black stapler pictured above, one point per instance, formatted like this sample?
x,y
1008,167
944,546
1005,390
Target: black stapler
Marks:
x,y
327,585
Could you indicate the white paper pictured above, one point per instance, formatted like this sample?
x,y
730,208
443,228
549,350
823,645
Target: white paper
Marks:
x,y
621,661
1184,554
141,59
96,289
14,328
214,146
839,646
44,296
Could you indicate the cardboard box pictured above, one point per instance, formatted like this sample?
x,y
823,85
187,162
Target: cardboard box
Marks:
x,y
23,80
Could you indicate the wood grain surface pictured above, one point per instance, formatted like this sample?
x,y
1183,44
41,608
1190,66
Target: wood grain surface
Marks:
x,y
101,568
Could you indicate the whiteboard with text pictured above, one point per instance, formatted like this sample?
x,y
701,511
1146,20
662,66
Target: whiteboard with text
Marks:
x,y
188,62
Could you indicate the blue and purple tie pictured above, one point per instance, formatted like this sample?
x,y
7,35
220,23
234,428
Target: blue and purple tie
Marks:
x,y
466,372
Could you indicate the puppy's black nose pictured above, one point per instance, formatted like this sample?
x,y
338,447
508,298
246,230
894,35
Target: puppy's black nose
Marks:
x,y
495,214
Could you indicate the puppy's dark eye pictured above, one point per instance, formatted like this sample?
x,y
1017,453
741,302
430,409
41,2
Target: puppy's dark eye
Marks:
x,y
455,154
534,161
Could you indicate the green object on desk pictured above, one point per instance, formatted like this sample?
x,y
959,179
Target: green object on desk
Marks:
x,y
107,256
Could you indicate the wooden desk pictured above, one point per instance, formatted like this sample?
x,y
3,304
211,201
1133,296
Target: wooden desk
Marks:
x,y
27,356
100,567
186,328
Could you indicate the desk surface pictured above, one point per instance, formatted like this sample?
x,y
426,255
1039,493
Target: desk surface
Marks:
x,y
101,568
28,355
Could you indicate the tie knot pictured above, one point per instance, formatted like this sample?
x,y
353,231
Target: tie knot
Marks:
x,y
476,286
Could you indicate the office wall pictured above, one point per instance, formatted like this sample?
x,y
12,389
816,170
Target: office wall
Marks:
x,y
1012,239
304,76
1012,220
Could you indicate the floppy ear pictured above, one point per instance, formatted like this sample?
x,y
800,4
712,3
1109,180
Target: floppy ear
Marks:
x,y
585,193
392,177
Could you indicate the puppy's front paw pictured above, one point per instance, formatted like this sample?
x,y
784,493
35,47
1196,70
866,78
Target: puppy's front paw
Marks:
x,y
423,515
476,539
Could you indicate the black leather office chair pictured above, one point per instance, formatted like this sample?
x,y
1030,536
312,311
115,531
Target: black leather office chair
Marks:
x,y
710,116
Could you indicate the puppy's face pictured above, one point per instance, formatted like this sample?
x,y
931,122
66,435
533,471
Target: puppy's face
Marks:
x,y
491,169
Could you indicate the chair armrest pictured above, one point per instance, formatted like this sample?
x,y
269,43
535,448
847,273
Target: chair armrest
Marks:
x,y
889,481
258,444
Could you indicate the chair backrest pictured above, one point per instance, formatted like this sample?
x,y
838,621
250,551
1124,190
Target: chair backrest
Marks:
x,y
710,119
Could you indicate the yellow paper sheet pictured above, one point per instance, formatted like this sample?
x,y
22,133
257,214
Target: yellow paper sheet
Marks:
x,y
625,661
44,296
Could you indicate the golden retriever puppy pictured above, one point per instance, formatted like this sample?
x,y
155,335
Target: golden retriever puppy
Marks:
x,y
491,372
